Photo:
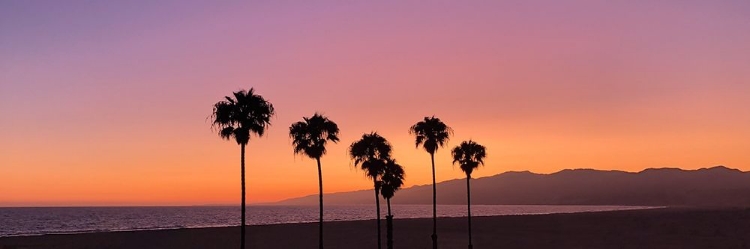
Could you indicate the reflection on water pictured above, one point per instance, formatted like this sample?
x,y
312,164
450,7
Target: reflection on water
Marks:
x,y
28,221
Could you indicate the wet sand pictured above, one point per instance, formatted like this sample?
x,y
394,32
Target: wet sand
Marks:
x,y
657,228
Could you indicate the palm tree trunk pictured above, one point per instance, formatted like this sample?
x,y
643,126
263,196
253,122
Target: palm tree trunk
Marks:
x,y
242,225
320,187
389,226
377,208
468,203
388,202
434,205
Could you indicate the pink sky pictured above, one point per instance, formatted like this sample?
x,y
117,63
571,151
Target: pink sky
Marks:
x,y
105,103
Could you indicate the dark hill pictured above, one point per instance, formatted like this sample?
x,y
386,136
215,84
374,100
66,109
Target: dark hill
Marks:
x,y
717,186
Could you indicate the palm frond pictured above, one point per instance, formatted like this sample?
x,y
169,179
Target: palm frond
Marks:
x,y
370,152
392,178
245,112
469,155
227,132
310,135
431,133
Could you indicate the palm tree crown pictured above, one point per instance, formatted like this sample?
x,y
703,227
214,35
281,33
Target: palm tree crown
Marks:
x,y
309,137
242,115
469,155
392,178
431,133
370,152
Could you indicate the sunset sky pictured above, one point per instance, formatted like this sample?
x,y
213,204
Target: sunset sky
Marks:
x,y
106,102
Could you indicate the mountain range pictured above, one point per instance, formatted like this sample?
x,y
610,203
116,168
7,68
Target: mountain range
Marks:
x,y
716,186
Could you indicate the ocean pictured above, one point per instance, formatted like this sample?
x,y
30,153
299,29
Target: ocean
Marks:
x,y
20,221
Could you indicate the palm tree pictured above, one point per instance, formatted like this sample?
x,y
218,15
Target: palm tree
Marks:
x,y
309,137
391,181
469,155
432,133
238,117
371,152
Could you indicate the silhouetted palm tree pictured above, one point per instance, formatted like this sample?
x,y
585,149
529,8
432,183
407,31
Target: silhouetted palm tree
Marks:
x,y
391,181
469,155
309,137
238,117
371,152
432,134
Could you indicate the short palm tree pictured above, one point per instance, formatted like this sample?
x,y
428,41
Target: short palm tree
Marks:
x,y
309,137
391,181
469,155
432,134
238,117
370,153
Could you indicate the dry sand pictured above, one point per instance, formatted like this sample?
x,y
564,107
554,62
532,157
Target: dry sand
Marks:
x,y
657,228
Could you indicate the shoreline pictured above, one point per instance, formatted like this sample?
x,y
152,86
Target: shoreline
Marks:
x,y
649,228
177,227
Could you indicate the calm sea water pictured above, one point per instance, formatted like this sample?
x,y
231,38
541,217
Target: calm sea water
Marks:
x,y
57,220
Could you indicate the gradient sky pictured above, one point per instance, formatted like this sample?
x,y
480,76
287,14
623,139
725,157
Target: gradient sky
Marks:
x,y
106,102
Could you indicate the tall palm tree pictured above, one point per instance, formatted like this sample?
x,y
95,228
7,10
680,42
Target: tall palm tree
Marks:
x,y
391,181
238,117
309,137
469,155
432,133
371,152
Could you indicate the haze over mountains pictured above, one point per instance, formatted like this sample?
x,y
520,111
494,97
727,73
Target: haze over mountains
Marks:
x,y
716,186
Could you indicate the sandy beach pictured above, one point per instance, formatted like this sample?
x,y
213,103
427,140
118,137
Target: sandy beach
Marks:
x,y
656,228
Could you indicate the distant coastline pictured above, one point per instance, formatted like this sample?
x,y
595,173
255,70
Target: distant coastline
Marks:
x,y
72,220
714,186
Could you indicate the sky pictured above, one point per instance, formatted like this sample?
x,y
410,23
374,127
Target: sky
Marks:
x,y
107,102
